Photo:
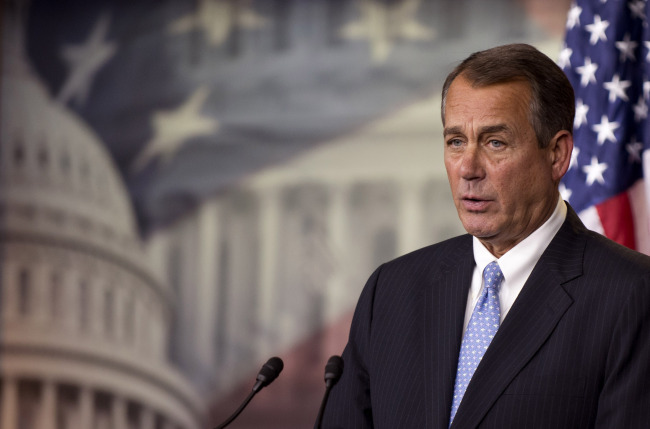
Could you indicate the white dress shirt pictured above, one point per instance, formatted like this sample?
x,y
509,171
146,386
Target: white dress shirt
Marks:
x,y
516,264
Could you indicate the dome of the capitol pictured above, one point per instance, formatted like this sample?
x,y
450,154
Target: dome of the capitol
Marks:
x,y
84,324
56,177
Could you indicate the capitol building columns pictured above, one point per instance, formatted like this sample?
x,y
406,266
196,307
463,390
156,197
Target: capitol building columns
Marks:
x,y
68,319
119,412
50,404
41,289
410,212
9,409
207,246
85,407
48,411
337,225
324,227
269,231
147,419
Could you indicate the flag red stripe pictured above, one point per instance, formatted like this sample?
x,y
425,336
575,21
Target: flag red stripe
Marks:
x,y
618,223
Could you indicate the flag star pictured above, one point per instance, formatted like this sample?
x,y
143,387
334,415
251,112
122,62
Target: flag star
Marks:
x,y
594,171
634,150
573,17
372,26
565,192
597,30
172,129
565,57
587,72
627,47
646,89
616,88
218,19
647,45
638,9
574,157
85,60
640,110
581,114
605,130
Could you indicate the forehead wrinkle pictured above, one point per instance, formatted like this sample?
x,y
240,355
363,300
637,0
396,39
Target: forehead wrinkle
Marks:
x,y
494,129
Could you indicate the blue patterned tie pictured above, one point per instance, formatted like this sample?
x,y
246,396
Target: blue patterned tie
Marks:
x,y
483,324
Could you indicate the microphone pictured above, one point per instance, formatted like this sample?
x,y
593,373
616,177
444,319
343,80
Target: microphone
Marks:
x,y
269,372
333,372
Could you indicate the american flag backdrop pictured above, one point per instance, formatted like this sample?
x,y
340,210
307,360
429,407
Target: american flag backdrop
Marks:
x,y
274,152
192,96
606,56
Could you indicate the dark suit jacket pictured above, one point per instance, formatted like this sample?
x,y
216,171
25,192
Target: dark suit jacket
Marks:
x,y
573,352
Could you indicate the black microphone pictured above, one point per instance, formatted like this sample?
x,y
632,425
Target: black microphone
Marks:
x,y
333,372
269,372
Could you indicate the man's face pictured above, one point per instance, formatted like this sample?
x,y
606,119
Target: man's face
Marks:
x,y
503,184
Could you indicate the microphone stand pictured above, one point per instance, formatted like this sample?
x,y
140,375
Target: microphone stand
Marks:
x,y
321,411
267,374
333,372
237,411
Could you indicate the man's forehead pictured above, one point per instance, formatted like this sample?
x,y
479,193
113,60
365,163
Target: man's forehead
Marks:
x,y
490,107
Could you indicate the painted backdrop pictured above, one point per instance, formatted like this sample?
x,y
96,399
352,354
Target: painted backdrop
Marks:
x,y
190,187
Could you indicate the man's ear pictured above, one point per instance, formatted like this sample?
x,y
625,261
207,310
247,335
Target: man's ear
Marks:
x,y
560,148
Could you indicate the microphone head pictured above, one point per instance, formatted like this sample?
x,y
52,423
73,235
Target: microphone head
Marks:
x,y
269,372
333,370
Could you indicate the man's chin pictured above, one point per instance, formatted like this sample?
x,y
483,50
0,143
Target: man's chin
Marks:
x,y
477,227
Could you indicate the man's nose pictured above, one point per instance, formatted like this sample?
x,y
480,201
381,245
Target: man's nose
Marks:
x,y
471,164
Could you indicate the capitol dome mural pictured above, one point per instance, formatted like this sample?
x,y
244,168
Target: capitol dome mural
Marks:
x,y
84,321
188,188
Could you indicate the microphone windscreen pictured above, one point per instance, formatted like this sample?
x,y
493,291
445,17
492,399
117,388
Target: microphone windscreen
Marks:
x,y
270,370
334,369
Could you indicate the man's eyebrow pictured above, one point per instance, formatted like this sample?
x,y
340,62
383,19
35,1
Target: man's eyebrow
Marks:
x,y
451,130
489,129
499,128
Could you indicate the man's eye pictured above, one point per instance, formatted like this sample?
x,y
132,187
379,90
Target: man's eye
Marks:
x,y
454,142
496,143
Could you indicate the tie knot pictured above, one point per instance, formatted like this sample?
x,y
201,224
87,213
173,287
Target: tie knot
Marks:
x,y
492,276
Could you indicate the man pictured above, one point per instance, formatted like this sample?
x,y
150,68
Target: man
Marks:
x,y
555,333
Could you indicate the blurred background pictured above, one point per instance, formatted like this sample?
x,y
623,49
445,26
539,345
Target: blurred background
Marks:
x,y
189,187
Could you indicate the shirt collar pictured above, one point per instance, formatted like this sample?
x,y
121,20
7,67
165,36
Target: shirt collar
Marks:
x,y
519,261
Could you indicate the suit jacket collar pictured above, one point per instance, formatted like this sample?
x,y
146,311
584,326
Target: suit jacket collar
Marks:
x,y
537,310
445,301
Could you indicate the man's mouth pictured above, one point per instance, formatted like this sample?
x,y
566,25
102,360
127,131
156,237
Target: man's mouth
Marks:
x,y
474,203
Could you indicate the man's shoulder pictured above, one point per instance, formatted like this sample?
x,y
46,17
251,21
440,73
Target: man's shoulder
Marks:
x,y
575,243
439,253
409,274
611,254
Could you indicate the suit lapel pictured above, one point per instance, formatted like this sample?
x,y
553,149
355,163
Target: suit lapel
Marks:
x,y
531,320
445,301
